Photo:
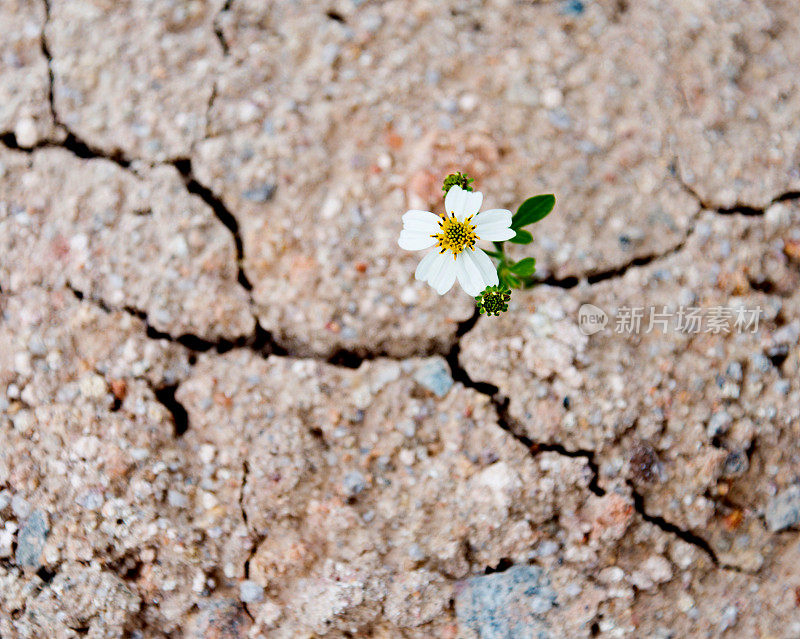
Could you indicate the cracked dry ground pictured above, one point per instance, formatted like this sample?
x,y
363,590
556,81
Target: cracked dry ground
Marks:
x,y
227,409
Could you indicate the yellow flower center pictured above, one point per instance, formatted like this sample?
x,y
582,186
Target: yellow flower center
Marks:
x,y
454,235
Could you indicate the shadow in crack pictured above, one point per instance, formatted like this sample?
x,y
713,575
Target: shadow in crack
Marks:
x,y
223,213
686,535
180,418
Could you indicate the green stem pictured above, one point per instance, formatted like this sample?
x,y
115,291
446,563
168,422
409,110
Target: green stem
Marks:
x,y
500,256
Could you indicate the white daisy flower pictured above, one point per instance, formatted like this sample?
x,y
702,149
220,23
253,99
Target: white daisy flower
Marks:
x,y
454,236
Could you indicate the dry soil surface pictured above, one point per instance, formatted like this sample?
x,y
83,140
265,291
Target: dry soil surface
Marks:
x,y
228,410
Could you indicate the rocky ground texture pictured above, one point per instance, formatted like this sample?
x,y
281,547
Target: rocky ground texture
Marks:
x,y
227,410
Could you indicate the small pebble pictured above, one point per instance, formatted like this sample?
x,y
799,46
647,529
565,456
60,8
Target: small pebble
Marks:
x,y
177,499
783,510
719,424
25,133
354,483
250,592
20,507
435,376
728,619
30,539
7,539
262,193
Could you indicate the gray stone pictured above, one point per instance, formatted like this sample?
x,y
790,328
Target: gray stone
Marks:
x,y
261,193
354,483
728,619
719,424
505,605
31,538
250,592
223,618
435,376
736,464
734,371
20,507
782,387
177,499
783,510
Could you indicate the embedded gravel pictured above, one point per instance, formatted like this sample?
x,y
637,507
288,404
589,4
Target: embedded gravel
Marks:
x,y
227,409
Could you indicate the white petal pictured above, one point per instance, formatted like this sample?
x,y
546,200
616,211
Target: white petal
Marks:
x,y
486,267
443,273
493,225
422,221
462,203
433,266
468,274
414,241
495,232
425,265
493,216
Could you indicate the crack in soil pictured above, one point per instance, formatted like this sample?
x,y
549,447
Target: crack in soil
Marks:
x,y
218,28
209,107
223,213
180,417
593,277
264,346
262,342
84,151
46,53
596,276
514,428
504,418
255,537
739,208
686,535
72,143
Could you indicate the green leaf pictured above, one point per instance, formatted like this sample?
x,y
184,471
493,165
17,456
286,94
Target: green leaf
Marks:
x,y
511,281
524,268
532,210
522,237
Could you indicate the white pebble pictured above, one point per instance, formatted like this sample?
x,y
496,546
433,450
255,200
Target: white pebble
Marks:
x,y
25,133
468,102
20,507
657,568
331,207
176,499
199,582
207,452
92,386
552,98
611,575
7,539
409,295
22,363
250,592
